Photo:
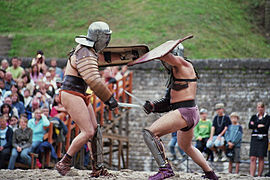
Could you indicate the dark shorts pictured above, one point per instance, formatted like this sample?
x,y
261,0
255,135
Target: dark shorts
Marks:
x,y
191,116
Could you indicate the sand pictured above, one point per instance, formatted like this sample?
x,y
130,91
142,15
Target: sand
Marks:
x,y
116,175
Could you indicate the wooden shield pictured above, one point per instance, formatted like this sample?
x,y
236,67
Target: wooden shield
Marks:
x,y
121,55
159,51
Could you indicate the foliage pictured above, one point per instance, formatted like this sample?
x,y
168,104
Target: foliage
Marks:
x,y
221,29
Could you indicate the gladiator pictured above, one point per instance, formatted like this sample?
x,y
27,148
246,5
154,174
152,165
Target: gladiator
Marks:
x,y
81,72
181,110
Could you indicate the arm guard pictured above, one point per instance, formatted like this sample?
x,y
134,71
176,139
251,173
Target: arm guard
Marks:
x,y
163,104
87,66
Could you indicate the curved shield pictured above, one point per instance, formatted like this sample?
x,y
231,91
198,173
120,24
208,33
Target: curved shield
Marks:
x,y
159,51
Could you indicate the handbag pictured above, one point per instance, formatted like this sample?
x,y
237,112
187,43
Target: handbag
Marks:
x,y
229,152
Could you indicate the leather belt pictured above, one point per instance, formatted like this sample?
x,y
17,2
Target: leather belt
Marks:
x,y
183,104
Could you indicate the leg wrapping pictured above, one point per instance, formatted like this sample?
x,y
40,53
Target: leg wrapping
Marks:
x,y
155,146
97,149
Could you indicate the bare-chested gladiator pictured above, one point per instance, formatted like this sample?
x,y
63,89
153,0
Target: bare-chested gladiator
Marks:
x,y
182,115
82,71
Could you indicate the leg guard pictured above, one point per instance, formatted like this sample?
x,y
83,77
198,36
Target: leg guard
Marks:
x,y
155,147
97,149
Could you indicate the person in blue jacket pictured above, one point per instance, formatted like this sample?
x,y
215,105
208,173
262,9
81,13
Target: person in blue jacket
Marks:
x,y
233,138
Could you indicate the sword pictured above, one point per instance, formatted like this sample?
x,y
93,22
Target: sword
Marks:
x,y
127,105
141,102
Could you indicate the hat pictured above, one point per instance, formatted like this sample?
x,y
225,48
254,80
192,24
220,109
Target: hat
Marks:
x,y
58,80
234,114
219,106
203,110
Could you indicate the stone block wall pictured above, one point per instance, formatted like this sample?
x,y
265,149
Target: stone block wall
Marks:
x,y
238,83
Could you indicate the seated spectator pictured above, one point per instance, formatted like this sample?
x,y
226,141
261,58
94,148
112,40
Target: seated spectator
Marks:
x,y
16,70
28,83
58,85
6,110
17,104
13,123
37,124
35,104
35,74
5,141
172,144
2,74
108,76
39,60
21,143
233,137
124,70
202,133
15,90
4,64
14,110
9,81
58,70
57,108
27,98
49,79
216,141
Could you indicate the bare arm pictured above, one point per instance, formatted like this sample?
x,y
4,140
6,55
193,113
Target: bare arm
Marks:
x,y
174,60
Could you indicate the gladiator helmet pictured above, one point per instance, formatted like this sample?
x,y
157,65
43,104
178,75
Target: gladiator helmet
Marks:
x,y
98,36
178,50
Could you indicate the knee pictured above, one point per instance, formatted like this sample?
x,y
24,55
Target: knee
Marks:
x,y
89,134
253,159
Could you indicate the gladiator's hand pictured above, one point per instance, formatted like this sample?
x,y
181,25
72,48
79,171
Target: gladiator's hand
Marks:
x,y
148,107
112,103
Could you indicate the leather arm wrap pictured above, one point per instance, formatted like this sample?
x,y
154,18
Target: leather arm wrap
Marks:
x,y
162,105
88,69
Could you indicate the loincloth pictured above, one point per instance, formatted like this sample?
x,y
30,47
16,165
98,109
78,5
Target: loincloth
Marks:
x,y
86,98
191,116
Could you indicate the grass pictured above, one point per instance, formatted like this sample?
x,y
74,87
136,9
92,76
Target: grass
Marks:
x,y
221,29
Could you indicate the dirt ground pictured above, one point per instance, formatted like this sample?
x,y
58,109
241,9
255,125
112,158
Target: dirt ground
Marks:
x,y
125,174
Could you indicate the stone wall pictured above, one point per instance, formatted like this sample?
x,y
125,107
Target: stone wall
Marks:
x,y
238,83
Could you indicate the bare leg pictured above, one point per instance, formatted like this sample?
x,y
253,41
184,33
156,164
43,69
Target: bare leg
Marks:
x,y
230,167
184,141
252,167
168,123
261,166
79,112
237,168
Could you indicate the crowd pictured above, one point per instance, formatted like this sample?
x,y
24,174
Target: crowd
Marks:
x,y
29,101
221,138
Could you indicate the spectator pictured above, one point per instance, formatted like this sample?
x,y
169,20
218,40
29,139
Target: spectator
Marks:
x,y
219,127
6,110
15,90
35,104
124,70
9,81
44,98
58,85
172,144
58,70
35,74
14,110
5,141
108,76
13,123
4,64
2,74
37,124
27,98
3,90
16,70
17,104
58,109
39,60
48,78
202,133
233,137
21,143
28,83
259,123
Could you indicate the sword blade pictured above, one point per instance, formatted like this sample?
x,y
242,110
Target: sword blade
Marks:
x,y
129,105
136,98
